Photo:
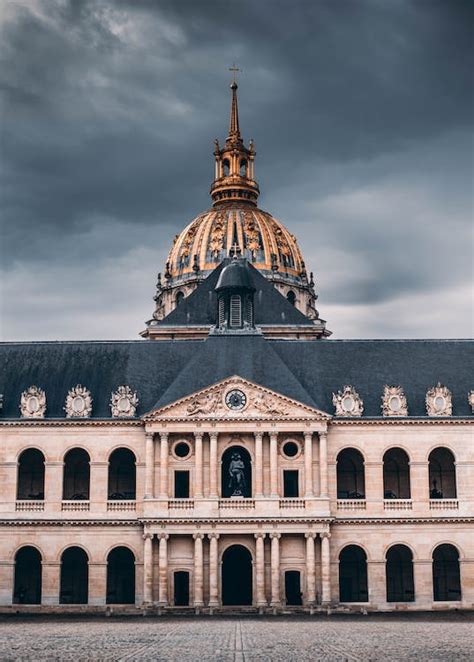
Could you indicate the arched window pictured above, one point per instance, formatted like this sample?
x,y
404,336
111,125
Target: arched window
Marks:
x,y
243,168
76,474
446,574
30,475
236,473
353,575
27,584
122,475
399,574
396,474
120,576
291,296
350,474
74,588
226,167
442,473
179,297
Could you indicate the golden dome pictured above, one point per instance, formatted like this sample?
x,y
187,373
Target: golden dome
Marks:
x,y
235,227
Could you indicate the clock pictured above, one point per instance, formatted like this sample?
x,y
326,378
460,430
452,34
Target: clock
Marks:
x,y
236,399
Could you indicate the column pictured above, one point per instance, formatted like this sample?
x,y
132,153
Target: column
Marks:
x,y
308,464
148,568
275,565
213,464
164,465
310,569
198,464
260,569
163,570
258,464
198,571
213,570
323,464
273,465
149,465
325,568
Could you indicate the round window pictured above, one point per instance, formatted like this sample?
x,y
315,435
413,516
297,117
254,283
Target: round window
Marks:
x,y
290,449
78,404
348,403
182,449
395,403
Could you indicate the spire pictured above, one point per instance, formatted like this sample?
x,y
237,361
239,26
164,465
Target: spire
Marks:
x,y
234,129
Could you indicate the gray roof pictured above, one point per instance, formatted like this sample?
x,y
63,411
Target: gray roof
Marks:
x,y
308,371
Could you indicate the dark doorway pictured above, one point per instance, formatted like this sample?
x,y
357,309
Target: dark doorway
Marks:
x,y
181,588
74,577
353,575
350,474
122,474
446,574
181,484
290,484
236,473
293,587
120,577
396,474
399,574
76,474
237,576
30,475
27,585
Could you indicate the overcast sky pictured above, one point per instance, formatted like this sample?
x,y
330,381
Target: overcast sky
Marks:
x,y
361,111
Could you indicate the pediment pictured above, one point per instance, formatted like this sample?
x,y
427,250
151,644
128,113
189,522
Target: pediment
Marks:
x,y
223,400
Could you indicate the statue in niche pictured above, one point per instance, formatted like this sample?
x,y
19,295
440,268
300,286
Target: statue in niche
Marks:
x,y
237,480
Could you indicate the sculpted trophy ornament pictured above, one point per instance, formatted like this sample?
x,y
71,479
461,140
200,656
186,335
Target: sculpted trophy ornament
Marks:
x,y
78,403
123,402
394,402
438,401
33,403
347,402
470,397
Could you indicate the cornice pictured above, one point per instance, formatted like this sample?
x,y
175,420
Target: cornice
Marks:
x,y
220,521
69,523
404,520
391,420
72,422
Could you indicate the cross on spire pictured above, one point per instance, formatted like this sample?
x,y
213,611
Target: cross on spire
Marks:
x,y
234,70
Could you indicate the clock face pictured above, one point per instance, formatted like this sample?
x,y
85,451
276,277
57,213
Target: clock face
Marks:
x,y
236,399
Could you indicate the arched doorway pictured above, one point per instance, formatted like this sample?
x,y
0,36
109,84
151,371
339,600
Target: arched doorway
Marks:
x,y
74,577
236,476
30,483
122,474
237,576
353,575
120,576
446,574
350,474
27,584
399,574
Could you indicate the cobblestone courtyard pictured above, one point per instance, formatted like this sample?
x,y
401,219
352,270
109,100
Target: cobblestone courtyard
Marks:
x,y
420,637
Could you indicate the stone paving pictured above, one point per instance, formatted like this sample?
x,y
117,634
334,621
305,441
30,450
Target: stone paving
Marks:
x,y
419,637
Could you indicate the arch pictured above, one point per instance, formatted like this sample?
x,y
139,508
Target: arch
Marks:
x,y
396,474
353,574
76,474
446,573
243,168
30,482
225,167
291,297
442,474
179,297
236,472
120,576
74,582
399,574
122,474
237,576
28,573
350,474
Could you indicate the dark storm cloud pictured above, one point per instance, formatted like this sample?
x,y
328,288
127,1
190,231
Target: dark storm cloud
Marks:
x,y
361,113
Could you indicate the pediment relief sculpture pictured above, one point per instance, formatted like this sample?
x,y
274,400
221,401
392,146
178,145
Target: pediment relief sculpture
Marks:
x,y
78,403
123,402
439,401
394,402
347,402
33,403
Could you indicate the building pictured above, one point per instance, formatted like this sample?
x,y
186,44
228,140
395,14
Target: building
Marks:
x,y
236,457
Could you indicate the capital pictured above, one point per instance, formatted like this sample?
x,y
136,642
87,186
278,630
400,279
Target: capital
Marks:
x,y
149,436
212,536
325,534
275,535
308,436
213,435
258,435
164,436
147,536
259,535
198,436
163,536
310,534
198,536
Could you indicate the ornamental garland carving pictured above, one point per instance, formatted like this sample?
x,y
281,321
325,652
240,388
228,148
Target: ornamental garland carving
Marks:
x,y
470,398
438,401
123,402
78,403
33,403
347,402
394,402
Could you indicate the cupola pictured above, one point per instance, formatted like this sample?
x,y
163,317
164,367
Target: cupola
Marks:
x,y
235,297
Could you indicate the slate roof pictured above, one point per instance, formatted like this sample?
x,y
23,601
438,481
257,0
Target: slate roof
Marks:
x,y
308,371
271,308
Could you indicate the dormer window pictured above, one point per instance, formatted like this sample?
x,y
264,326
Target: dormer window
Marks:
x,y
235,311
235,291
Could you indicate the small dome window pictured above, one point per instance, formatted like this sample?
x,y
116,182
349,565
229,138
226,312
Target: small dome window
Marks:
x,y
291,297
179,297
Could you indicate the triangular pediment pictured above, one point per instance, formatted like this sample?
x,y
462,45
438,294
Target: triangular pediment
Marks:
x,y
236,398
